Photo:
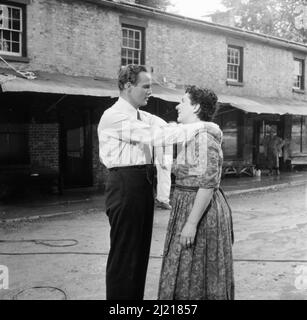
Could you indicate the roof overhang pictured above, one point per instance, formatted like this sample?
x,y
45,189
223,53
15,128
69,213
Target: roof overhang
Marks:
x,y
70,85
98,87
266,105
58,84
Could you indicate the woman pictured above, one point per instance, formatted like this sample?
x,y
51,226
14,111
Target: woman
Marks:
x,y
197,262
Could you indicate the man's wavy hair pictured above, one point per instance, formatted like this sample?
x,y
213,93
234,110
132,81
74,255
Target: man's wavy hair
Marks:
x,y
130,74
207,100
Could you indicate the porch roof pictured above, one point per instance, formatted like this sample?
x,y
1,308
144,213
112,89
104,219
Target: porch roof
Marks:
x,y
63,84
101,87
266,105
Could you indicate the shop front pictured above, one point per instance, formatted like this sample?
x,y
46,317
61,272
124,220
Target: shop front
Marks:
x,y
250,124
48,129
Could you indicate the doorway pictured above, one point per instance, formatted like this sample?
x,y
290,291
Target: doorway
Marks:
x,y
262,130
76,147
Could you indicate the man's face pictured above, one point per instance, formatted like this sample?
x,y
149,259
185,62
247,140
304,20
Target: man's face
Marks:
x,y
140,92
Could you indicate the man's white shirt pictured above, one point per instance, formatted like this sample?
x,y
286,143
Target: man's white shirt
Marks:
x,y
123,139
119,120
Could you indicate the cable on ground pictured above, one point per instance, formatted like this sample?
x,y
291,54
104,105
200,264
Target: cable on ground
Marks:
x,y
49,243
15,297
45,242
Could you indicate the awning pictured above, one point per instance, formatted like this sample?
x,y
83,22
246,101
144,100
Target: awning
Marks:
x,y
266,105
70,85
58,83
101,87
167,94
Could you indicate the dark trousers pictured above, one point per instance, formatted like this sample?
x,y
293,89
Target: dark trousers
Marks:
x,y
130,207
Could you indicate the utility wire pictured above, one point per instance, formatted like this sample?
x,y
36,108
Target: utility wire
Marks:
x,y
26,74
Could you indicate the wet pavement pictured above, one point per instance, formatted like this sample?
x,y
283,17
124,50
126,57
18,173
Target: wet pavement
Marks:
x,y
34,206
68,258
249,184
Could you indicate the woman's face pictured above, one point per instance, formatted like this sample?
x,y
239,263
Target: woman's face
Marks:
x,y
186,111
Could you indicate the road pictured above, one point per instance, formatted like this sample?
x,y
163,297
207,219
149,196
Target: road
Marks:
x,y
270,250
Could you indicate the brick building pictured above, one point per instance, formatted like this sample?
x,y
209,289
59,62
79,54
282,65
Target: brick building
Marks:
x,y
74,48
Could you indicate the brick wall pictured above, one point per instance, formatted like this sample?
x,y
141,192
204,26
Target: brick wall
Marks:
x,y
74,38
79,38
44,145
44,150
188,55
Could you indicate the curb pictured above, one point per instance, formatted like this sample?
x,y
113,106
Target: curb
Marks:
x,y
275,186
227,193
2,221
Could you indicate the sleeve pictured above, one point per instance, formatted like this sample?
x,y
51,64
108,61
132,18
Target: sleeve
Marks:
x,y
209,155
163,154
155,120
135,131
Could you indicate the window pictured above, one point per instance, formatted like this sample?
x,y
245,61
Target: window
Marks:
x,y
13,135
298,74
11,30
229,123
299,135
235,64
14,145
132,45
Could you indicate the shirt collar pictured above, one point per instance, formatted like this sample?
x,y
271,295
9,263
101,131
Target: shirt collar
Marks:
x,y
126,107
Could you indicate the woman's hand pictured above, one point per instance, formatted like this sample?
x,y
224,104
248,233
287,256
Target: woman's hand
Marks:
x,y
201,202
187,236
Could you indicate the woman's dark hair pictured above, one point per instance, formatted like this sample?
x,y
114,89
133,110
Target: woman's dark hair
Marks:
x,y
130,74
207,100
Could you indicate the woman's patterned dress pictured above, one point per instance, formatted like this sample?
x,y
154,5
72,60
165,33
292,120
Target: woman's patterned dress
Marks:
x,y
205,271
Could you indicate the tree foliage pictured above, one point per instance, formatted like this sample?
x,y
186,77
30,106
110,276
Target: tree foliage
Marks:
x,y
272,17
158,4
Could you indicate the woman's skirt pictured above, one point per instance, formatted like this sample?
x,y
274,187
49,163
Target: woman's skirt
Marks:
x,y
204,271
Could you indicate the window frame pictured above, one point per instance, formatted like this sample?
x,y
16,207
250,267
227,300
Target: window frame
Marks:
x,y
21,56
302,80
239,80
134,28
303,127
14,123
21,133
238,117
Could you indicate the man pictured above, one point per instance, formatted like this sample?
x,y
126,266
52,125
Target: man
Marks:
x,y
273,150
126,137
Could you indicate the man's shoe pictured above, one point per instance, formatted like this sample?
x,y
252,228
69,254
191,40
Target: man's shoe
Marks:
x,y
162,205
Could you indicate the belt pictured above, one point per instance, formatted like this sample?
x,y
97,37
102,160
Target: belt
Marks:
x,y
186,188
140,167
193,189
147,168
